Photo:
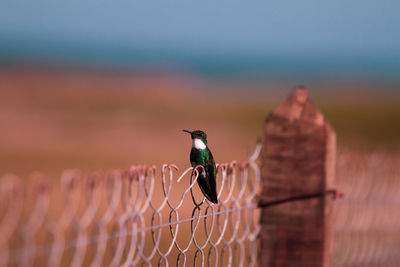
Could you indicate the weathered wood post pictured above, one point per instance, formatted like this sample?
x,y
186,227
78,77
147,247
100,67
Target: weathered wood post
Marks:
x,y
298,157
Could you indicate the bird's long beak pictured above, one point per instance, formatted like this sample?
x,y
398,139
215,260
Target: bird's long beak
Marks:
x,y
187,131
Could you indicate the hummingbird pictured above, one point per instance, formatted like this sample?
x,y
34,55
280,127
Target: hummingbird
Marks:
x,y
201,155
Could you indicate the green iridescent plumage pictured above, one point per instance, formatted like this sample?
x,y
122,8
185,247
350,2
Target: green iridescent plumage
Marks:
x,y
201,155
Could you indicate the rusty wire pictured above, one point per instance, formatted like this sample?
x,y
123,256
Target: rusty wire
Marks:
x,y
131,217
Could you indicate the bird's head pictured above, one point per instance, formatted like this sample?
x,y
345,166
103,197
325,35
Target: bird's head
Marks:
x,y
198,135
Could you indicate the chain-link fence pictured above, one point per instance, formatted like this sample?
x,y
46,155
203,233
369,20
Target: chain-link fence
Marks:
x,y
131,217
134,216
367,220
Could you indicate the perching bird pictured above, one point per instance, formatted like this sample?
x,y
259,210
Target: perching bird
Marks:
x,y
201,155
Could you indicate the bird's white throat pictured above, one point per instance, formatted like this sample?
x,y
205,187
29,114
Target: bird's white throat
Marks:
x,y
198,144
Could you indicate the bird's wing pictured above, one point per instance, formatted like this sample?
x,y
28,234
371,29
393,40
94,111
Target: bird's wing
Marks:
x,y
211,173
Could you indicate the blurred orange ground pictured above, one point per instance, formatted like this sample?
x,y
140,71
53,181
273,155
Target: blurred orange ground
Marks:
x,y
52,119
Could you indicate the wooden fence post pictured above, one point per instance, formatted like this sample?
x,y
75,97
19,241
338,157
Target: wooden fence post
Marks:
x,y
298,157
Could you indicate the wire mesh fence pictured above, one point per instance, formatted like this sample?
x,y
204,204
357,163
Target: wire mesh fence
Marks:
x,y
141,216
131,217
367,220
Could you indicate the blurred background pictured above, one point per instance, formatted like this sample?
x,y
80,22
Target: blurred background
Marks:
x,y
98,85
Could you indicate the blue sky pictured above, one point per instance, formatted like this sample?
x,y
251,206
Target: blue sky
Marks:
x,y
311,28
